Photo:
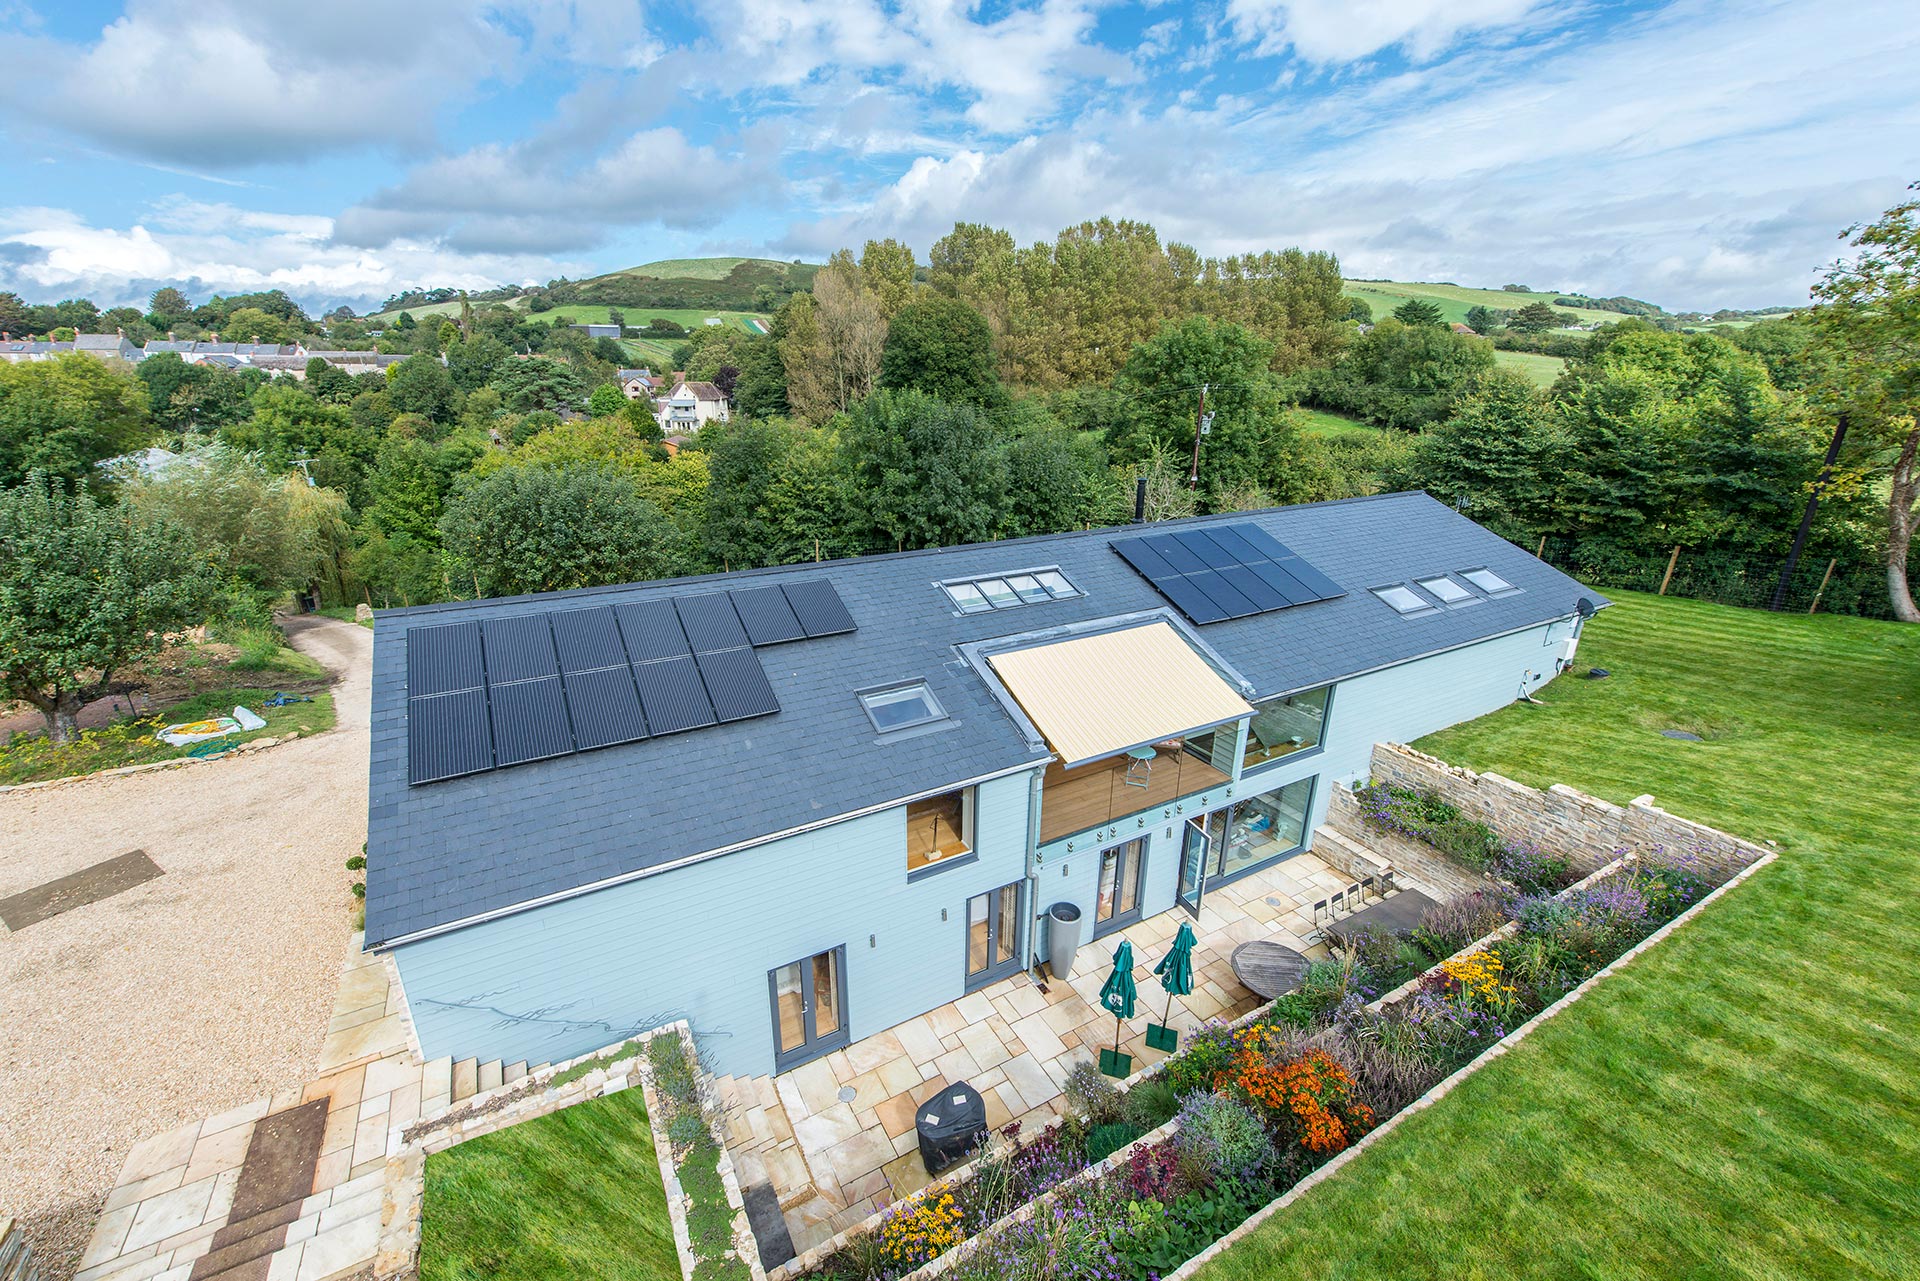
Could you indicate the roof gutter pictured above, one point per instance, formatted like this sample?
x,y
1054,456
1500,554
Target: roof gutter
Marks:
x,y
558,896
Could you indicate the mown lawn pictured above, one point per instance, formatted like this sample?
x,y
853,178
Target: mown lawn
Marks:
x,y
1318,422
1741,1101
1538,369
576,1193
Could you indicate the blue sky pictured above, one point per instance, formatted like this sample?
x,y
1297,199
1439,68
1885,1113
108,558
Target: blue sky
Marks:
x,y
1699,154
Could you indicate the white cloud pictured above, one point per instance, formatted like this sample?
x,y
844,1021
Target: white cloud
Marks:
x,y
1344,30
218,248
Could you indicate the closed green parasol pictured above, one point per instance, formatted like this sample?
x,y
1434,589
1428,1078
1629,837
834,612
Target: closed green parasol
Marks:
x,y
1176,976
1118,995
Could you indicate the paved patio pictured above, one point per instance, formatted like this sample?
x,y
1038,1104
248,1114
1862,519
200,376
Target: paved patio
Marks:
x,y
835,1137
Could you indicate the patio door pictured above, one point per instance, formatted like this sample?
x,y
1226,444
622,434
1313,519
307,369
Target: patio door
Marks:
x,y
809,1007
1117,896
1194,849
993,935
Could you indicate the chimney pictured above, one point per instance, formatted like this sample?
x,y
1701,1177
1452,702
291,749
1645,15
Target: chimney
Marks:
x,y
169,335
121,332
215,336
1140,500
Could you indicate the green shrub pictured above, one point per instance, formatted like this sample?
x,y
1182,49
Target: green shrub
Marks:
x,y
686,1127
672,1074
1104,1140
1206,1056
1091,1094
1150,1104
1291,1010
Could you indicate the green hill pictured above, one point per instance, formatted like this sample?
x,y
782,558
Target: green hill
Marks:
x,y
706,268
1454,300
684,289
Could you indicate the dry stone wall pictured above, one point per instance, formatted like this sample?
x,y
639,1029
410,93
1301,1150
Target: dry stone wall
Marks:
x,y
1409,858
1584,829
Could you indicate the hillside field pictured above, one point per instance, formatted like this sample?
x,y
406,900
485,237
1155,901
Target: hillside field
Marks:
x,y
1454,300
1541,370
696,268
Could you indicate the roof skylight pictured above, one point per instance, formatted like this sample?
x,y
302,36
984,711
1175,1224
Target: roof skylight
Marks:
x,y
1445,590
1005,591
1404,600
902,707
1488,581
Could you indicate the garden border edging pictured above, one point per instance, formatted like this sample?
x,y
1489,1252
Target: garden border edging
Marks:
x,y
1445,1087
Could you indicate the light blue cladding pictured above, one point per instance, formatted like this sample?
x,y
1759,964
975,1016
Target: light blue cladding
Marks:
x,y
698,941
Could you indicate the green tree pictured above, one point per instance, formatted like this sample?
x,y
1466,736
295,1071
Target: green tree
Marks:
x,y
761,389
421,385
473,362
542,529
1534,318
1418,311
1357,311
1499,451
1484,320
540,382
887,268
943,347
921,472
65,415
1056,477
165,374
407,491
287,424
1868,316
1405,376
85,590
263,529
606,399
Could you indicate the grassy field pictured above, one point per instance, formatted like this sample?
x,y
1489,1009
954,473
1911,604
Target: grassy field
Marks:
x,y
1454,300
1739,1102
33,759
1318,422
694,268
576,1193
1540,370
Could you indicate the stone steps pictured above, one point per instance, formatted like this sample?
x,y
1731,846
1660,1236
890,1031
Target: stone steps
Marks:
x,y
468,1077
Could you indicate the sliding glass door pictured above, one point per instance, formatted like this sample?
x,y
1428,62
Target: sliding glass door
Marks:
x,y
809,1008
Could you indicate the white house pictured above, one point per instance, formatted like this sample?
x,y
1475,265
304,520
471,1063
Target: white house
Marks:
x,y
690,405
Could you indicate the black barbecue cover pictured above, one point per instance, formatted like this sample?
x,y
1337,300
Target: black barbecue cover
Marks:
x,y
951,1124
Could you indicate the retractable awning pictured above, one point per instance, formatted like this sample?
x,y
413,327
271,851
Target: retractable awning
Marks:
x,y
1093,696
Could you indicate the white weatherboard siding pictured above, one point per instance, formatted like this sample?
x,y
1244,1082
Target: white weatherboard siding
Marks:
x,y
698,942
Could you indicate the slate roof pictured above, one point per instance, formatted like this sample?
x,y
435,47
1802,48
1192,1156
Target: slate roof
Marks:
x,y
447,852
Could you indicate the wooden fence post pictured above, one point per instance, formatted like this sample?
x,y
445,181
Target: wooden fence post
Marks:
x,y
1540,552
1823,585
1671,562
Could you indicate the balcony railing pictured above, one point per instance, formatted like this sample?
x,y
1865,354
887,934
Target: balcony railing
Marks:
x,y
1092,795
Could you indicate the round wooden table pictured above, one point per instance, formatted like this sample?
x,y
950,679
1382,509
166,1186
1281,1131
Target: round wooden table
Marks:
x,y
1268,968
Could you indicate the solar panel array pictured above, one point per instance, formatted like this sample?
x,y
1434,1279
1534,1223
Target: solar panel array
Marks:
x,y
1226,571
503,691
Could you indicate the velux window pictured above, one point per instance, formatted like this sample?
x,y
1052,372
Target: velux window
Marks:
x,y
1445,590
1488,581
1404,599
1006,591
902,707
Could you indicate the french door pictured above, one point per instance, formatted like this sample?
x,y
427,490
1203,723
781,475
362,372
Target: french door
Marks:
x,y
1117,901
993,935
1195,846
809,1007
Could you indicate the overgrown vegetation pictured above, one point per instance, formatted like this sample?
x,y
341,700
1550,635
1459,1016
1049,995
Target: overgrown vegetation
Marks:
x,y
33,758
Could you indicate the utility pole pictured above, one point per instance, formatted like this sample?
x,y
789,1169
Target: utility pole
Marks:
x,y
1779,600
1201,421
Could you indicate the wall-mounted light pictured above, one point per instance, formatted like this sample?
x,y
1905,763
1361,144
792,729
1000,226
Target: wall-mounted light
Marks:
x,y
873,940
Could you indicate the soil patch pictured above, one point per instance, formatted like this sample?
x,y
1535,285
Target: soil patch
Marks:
x,y
77,889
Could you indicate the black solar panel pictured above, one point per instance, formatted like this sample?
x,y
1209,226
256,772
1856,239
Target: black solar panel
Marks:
x,y
818,607
737,684
443,659
711,622
529,721
606,709
671,693
518,649
587,639
652,630
447,734
765,614
1225,571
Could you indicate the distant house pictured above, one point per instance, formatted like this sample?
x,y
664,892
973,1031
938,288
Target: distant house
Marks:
x,y
20,350
112,346
1468,330
637,384
690,406
600,331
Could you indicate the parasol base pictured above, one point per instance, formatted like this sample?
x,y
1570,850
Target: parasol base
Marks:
x,y
1162,1037
1115,1064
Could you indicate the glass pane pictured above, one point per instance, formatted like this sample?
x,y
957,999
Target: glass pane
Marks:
x,y
1292,724
1028,587
1403,599
896,708
1109,871
997,592
977,929
789,1006
826,996
936,829
1487,581
967,597
1445,589
1130,877
1008,924
1269,826
1056,582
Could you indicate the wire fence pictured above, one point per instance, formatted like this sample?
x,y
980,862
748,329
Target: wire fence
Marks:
x,y
1821,581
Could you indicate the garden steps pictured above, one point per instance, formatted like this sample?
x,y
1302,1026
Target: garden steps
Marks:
x,y
471,1076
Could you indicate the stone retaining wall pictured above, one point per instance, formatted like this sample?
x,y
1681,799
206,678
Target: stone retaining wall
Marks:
x,y
1584,829
16,1257
1409,858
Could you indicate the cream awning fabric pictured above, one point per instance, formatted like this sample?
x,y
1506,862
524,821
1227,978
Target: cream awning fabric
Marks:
x,y
1092,696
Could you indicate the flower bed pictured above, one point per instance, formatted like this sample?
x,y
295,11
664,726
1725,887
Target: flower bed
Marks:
x,y
717,1244
1136,1180
1425,816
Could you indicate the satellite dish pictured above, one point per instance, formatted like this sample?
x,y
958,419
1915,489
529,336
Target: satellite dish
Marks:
x,y
1585,607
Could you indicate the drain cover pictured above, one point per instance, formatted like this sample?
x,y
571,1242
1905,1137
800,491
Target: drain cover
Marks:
x,y
846,1094
1681,734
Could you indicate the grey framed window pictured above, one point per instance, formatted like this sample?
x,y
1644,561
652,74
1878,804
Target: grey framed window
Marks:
x,y
939,832
993,934
1446,590
1284,726
998,593
1123,872
809,1007
902,707
1403,600
1488,581
967,598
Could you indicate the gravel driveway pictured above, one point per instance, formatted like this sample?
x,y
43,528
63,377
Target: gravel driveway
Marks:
x,y
192,993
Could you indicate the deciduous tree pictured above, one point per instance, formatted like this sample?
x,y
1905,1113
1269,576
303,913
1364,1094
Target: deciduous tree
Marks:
x,y
65,415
